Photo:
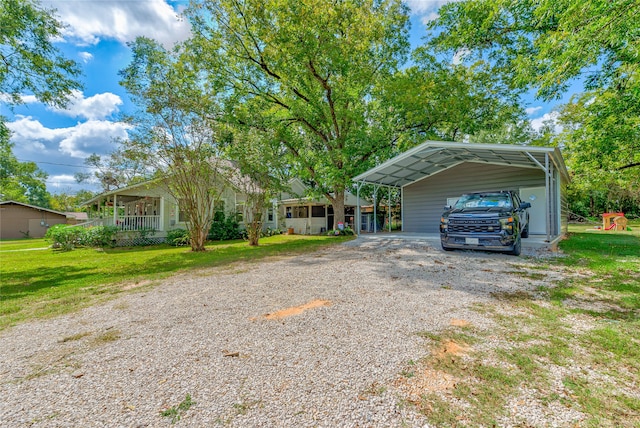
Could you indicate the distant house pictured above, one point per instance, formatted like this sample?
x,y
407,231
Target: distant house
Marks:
x,y
306,215
20,220
76,217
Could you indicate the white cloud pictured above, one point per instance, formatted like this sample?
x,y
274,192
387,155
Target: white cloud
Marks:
x,y
91,21
547,119
29,132
98,106
423,7
86,57
39,142
532,110
458,57
62,181
432,16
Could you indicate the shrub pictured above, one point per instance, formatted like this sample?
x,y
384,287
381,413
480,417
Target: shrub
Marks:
x,y
178,237
271,232
347,231
65,237
99,236
224,228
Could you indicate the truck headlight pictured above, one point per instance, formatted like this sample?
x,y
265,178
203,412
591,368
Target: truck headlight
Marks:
x,y
507,224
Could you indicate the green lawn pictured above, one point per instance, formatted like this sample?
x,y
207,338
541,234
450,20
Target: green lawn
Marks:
x,y
39,282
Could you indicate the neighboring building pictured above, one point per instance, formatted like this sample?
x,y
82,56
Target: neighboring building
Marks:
x,y
434,174
304,215
76,217
20,220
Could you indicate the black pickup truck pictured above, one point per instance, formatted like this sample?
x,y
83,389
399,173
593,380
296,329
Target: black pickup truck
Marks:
x,y
495,221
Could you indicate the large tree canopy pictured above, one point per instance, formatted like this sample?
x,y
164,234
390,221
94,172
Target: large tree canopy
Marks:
x,y
29,62
552,45
546,43
306,71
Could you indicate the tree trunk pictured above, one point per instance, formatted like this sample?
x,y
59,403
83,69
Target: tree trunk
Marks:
x,y
198,239
337,200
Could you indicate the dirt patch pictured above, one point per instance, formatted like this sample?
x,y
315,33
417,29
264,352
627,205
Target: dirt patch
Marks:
x,y
296,310
451,348
459,323
424,381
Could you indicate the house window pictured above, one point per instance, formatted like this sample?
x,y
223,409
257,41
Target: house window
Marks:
x,y
270,214
297,212
317,211
240,212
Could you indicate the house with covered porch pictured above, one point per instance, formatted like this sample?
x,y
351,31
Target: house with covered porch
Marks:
x,y
305,215
150,208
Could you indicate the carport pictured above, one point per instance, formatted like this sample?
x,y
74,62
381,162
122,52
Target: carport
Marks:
x,y
435,173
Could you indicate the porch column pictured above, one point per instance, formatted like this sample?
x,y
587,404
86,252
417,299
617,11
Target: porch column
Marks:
x,y
115,210
161,222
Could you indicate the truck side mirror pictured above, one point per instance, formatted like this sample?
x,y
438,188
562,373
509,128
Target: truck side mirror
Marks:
x,y
524,205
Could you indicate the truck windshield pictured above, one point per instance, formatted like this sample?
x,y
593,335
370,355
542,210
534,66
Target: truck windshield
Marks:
x,y
486,200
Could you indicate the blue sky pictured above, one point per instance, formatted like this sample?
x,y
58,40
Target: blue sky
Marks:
x,y
96,36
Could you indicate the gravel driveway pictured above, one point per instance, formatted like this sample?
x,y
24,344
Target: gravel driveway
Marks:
x,y
218,337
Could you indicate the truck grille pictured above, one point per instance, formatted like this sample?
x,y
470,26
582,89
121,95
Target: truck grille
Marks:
x,y
474,226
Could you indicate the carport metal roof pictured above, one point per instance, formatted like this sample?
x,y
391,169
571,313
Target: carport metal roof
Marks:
x,y
432,157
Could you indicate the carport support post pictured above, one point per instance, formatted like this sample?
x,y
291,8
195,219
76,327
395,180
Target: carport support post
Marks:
x,y
375,212
547,187
358,219
389,189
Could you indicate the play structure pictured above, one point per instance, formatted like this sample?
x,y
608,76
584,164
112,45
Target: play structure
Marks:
x,y
614,221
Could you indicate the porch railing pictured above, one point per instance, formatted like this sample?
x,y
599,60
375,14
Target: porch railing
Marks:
x,y
129,222
132,222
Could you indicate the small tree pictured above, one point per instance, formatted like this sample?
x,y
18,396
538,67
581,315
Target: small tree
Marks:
x,y
176,134
258,175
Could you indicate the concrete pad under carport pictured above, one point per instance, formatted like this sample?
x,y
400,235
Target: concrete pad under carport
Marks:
x,y
532,245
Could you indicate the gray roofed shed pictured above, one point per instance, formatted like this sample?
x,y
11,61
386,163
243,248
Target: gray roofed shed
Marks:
x,y
435,171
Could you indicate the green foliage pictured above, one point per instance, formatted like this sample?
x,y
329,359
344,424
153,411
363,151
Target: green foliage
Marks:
x,y
224,228
548,45
29,62
305,72
176,131
176,412
67,238
271,232
347,231
64,237
178,237
20,181
99,236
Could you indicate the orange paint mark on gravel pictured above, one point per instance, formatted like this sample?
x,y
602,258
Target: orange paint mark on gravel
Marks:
x,y
297,310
